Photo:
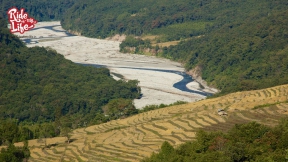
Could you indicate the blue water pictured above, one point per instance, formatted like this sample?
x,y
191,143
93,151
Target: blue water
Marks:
x,y
181,85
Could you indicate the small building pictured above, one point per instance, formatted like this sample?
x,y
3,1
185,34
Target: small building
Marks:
x,y
221,112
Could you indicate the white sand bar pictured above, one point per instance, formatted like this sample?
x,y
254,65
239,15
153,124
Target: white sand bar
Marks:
x,y
157,87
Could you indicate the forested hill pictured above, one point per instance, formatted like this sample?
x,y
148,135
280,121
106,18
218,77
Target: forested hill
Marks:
x,y
38,85
104,18
249,55
235,45
244,142
41,10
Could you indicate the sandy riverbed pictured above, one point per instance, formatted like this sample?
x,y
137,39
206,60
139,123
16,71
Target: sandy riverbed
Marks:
x,y
157,87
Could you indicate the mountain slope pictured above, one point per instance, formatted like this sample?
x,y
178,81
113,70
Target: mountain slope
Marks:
x,y
41,10
234,45
141,17
138,136
39,85
250,55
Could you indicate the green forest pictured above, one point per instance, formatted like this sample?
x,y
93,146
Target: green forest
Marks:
x,y
245,53
15,154
40,92
41,10
244,142
146,17
238,45
43,95
245,56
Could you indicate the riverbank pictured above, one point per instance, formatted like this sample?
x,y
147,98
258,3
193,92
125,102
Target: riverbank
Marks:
x,y
195,73
157,86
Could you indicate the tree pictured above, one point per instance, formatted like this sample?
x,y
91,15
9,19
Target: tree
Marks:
x,y
25,134
14,154
118,108
66,132
8,131
286,157
47,131
238,145
167,151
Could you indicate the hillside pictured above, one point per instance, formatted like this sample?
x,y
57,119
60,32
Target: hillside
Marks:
x,y
144,17
233,45
243,142
41,10
239,56
138,136
38,85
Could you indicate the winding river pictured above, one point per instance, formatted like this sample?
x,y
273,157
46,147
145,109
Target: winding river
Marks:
x,y
161,80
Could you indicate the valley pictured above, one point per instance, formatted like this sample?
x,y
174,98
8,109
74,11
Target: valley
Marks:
x,y
111,81
156,85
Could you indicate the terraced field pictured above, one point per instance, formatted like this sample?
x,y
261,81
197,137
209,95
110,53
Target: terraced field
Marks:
x,y
138,136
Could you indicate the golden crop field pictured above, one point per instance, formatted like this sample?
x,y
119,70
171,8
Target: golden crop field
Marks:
x,y
138,136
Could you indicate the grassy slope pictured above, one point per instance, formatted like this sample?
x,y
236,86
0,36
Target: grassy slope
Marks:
x,y
138,136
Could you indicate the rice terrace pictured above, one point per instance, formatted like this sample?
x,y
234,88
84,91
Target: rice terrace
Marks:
x,y
136,137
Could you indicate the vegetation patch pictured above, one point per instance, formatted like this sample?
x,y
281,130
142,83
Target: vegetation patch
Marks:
x,y
116,128
43,95
268,105
244,142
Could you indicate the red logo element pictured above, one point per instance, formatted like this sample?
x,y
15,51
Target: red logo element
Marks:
x,y
19,20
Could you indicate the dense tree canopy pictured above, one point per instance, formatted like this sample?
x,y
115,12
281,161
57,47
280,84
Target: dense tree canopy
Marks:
x,y
240,56
39,85
238,45
41,10
15,154
245,142
104,18
241,49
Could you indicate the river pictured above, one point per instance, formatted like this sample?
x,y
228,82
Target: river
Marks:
x,y
161,80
